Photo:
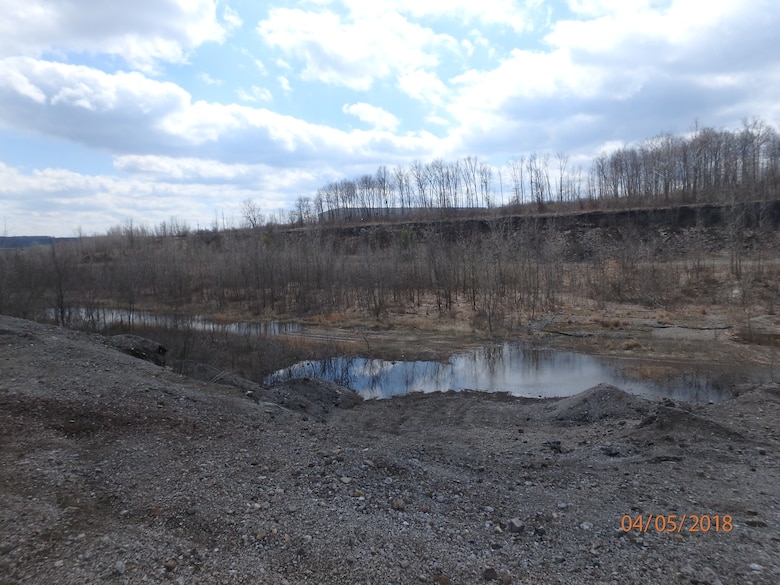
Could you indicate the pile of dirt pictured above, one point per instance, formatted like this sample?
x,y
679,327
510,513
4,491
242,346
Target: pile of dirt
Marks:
x,y
601,402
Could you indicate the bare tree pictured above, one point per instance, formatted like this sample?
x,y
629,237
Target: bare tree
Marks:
x,y
252,215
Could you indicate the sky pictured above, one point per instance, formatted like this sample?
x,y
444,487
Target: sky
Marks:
x,y
115,111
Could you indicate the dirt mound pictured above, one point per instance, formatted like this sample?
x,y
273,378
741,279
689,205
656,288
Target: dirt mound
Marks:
x,y
673,420
311,396
598,403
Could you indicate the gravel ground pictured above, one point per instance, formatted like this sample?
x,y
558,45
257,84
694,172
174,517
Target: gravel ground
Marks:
x,y
117,470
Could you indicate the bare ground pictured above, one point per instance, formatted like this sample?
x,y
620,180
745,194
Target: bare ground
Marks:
x,y
115,470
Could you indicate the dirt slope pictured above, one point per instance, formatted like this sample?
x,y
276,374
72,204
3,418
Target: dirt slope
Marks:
x,y
115,470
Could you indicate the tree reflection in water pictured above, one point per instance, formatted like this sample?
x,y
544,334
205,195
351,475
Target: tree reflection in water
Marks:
x,y
516,369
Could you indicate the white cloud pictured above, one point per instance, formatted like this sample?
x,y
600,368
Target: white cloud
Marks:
x,y
127,113
142,33
353,53
208,79
512,13
622,73
83,104
423,86
379,118
158,188
231,18
255,94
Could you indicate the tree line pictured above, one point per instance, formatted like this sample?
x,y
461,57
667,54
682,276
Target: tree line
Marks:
x,y
705,165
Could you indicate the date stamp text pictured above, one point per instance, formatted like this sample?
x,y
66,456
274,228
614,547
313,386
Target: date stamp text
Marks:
x,y
677,523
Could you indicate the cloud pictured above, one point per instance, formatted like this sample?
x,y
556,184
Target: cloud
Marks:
x,y
208,79
255,94
622,73
353,53
377,117
127,113
143,33
78,103
157,189
231,18
512,13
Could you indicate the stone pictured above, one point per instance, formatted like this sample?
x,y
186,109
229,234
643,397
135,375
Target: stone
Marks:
x,y
399,504
516,526
755,523
711,577
120,567
586,526
490,574
170,565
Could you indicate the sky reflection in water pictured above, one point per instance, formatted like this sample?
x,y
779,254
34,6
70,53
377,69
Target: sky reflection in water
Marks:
x,y
512,368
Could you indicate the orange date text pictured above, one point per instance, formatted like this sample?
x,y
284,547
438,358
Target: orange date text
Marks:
x,y
677,523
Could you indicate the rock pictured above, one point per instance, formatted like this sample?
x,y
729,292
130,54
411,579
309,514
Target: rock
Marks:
x,y
755,523
345,479
711,577
490,574
756,568
441,579
516,526
399,504
120,567
586,526
170,565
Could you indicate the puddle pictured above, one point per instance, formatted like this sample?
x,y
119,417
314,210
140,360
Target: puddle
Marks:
x,y
521,371
101,319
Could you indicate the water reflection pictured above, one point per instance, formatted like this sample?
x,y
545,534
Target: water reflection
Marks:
x,y
101,319
518,370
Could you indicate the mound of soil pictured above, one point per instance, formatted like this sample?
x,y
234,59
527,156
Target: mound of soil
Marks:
x,y
603,401
682,422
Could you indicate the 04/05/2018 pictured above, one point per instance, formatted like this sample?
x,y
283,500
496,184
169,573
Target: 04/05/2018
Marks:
x,y
677,523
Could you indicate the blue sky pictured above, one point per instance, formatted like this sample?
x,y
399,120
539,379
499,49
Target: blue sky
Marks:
x,y
113,111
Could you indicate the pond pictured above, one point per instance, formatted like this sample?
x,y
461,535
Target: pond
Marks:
x,y
521,371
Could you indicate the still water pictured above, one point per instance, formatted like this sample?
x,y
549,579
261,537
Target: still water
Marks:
x,y
520,371
101,319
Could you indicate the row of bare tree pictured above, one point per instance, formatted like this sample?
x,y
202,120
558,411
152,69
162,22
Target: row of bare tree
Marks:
x,y
705,165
